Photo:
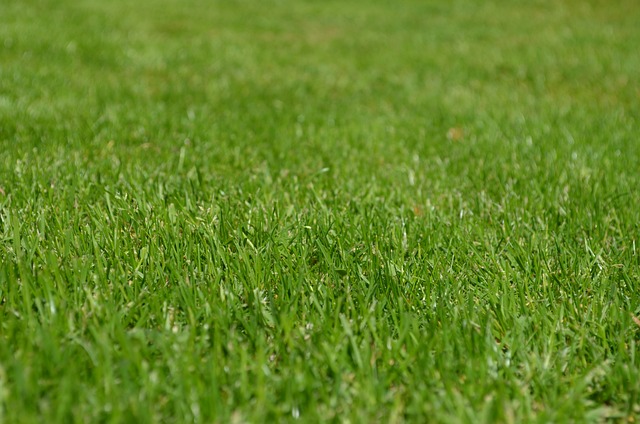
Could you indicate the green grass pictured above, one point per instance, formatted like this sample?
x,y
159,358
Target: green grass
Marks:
x,y
420,211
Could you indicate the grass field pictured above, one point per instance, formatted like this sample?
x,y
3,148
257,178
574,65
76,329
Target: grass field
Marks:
x,y
364,211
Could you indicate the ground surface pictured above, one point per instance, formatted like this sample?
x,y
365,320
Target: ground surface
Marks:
x,y
319,210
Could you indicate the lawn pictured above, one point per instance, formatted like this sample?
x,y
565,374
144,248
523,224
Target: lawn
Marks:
x,y
344,211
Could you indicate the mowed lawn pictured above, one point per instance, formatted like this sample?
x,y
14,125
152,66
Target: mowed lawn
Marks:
x,y
346,211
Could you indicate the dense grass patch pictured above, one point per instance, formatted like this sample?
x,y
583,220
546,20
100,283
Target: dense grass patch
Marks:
x,y
254,211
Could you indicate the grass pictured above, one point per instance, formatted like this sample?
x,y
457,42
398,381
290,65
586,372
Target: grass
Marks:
x,y
230,211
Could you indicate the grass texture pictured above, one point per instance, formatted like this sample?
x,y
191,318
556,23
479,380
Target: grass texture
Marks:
x,y
319,211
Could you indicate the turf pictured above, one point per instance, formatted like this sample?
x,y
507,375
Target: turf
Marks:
x,y
261,211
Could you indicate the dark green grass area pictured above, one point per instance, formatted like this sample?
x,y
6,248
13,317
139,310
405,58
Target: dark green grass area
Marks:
x,y
262,211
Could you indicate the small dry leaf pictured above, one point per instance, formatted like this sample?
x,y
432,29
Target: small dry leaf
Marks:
x,y
2,191
636,320
455,134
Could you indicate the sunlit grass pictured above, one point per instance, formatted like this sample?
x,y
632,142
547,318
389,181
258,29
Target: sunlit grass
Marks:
x,y
366,211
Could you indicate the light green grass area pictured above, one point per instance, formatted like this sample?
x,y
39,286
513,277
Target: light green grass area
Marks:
x,y
364,211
